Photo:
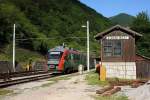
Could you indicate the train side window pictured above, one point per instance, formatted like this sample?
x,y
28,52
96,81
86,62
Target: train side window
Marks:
x,y
69,56
76,56
79,57
72,56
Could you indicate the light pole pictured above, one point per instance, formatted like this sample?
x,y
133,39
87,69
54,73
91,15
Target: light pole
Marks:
x,y
14,48
88,45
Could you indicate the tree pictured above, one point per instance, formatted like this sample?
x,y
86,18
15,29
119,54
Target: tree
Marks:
x,y
141,24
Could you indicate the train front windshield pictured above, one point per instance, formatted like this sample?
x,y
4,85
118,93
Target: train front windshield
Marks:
x,y
55,55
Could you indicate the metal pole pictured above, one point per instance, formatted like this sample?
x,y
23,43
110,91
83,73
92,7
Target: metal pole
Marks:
x,y
88,49
14,48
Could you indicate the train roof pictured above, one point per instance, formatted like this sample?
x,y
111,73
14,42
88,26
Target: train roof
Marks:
x,y
62,49
58,48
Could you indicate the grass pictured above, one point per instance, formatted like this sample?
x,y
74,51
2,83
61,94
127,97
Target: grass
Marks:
x,y
93,79
4,91
113,97
117,81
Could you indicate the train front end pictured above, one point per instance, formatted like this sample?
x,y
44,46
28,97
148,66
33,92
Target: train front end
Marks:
x,y
54,59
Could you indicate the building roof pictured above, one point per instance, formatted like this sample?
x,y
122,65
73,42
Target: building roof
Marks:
x,y
141,57
117,27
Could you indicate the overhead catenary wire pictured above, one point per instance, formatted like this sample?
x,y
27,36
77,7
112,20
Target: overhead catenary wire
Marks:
x,y
19,39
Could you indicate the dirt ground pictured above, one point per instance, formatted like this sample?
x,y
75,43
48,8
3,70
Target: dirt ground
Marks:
x,y
74,88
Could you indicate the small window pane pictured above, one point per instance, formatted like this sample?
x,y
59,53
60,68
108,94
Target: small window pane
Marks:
x,y
107,43
107,49
117,48
117,51
117,44
108,54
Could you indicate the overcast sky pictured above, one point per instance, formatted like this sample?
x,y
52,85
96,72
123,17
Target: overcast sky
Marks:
x,y
110,8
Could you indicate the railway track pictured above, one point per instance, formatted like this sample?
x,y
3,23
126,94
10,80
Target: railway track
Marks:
x,y
24,79
26,73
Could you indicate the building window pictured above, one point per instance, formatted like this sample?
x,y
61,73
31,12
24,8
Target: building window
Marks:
x,y
108,48
117,48
112,48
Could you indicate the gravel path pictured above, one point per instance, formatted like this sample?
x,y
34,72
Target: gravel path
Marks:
x,y
75,88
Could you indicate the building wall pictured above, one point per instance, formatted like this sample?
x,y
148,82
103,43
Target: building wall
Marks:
x,y
123,70
128,48
143,67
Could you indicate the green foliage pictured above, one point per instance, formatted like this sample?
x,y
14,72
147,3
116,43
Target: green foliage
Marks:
x,y
141,24
122,19
22,55
43,24
93,79
10,14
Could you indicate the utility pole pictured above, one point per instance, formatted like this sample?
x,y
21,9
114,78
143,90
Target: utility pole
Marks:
x,y
14,47
88,46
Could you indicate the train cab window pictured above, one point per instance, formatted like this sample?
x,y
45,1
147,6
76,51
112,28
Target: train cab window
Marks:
x,y
55,55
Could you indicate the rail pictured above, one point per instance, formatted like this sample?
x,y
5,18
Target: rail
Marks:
x,y
25,79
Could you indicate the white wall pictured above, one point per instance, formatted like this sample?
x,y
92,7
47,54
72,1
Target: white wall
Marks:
x,y
124,70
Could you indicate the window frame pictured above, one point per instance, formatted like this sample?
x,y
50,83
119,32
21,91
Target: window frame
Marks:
x,y
120,48
106,45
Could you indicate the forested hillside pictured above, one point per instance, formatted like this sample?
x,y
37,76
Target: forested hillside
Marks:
x,y
122,19
42,24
